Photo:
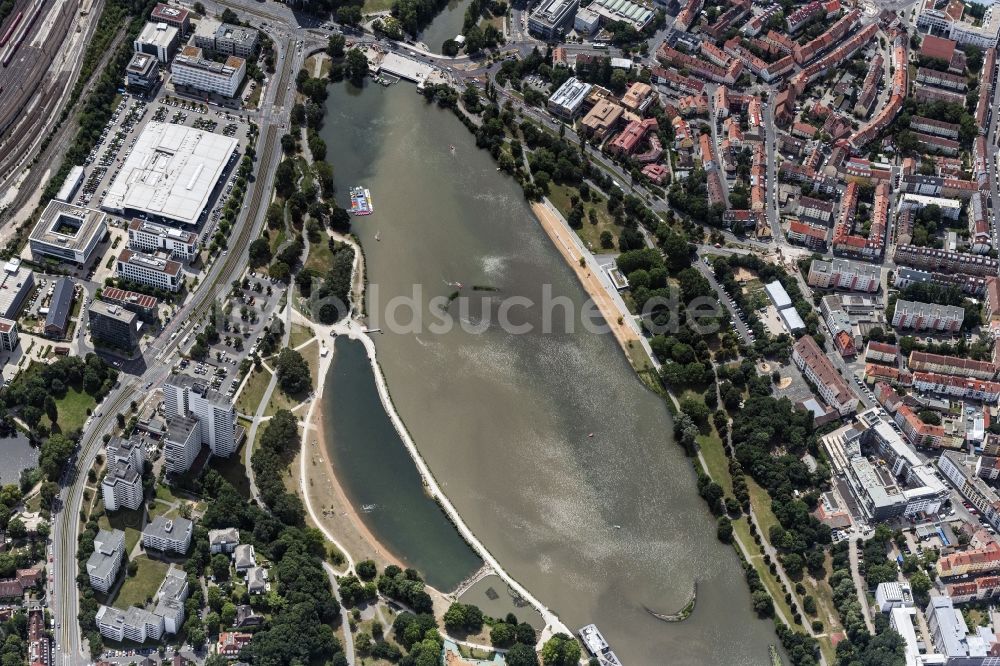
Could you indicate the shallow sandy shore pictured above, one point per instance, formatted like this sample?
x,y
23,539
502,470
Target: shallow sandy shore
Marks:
x,y
564,241
338,515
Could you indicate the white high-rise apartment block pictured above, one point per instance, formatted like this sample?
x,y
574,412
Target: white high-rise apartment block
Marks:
x,y
122,485
104,562
181,444
168,534
186,397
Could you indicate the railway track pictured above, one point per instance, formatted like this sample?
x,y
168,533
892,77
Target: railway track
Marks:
x,y
16,146
236,257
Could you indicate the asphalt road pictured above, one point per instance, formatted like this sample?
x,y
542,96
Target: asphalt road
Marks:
x,y
294,36
154,365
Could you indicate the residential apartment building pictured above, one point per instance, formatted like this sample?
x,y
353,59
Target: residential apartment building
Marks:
x,y
223,540
980,224
104,562
925,435
952,637
151,238
181,444
968,284
818,369
168,534
939,186
897,91
841,273
114,326
122,487
133,624
959,387
881,352
150,270
935,127
186,397
231,642
817,210
810,235
170,599
129,451
991,304
190,69
927,316
987,80
960,470
951,365
973,561
244,557
980,589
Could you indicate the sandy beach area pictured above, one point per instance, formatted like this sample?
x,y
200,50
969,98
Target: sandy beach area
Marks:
x,y
340,517
337,513
563,239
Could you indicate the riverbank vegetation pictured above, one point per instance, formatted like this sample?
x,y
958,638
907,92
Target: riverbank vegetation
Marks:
x,y
540,160
296,246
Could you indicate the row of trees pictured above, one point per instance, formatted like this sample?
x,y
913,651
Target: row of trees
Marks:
x,y
279,443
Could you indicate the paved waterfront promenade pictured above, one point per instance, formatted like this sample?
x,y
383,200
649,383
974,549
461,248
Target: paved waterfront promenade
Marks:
x,y
355,331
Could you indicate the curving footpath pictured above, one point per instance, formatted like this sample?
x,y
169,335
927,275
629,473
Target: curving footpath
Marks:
x,y
303,471
552,622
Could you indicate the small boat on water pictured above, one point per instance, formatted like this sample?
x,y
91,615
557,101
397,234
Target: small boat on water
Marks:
x,y
361,201
377,236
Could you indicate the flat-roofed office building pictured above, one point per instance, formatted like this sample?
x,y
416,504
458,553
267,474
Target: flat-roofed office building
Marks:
x,y
114,326
224,78
151,237
16,282
159,40
67,232
552,18
150,270
567,101
142,72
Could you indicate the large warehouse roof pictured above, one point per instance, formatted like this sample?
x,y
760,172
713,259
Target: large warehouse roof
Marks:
x,y
171,172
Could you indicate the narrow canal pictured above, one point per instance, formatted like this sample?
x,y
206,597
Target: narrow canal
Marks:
x,y
555,454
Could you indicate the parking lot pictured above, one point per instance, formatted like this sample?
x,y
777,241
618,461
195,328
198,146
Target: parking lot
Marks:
x,y
240,326
119,136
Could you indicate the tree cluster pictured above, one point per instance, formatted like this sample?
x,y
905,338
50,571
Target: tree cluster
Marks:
x,y
292,372
278,445
407,587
